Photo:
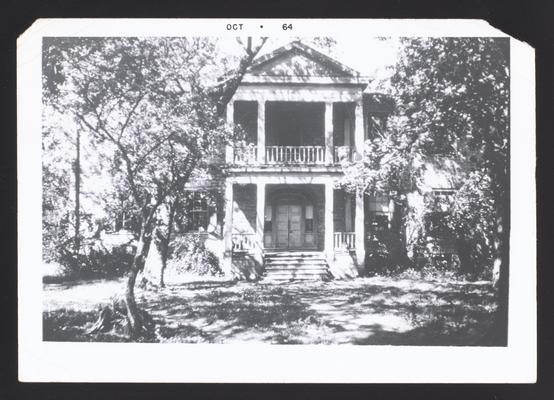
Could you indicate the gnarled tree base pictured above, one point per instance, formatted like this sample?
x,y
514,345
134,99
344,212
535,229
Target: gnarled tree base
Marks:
x,y
113,318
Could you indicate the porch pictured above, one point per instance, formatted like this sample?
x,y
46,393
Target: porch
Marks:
x,y
295,132
270,218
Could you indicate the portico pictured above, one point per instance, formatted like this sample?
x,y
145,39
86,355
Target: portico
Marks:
x,y
291,212
302,116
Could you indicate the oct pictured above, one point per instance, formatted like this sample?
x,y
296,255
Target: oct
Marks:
x,y
234,27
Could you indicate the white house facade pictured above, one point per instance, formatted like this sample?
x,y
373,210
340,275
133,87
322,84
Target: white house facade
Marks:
x,y
302,113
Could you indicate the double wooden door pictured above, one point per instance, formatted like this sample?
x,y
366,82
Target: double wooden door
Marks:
x,y
289,225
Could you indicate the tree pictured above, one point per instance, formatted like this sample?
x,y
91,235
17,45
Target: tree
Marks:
x,y
57,207
154,114
452,97
230,81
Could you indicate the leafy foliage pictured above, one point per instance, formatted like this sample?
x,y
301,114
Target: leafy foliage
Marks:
x,y
191,255
452,98
97,262
472,217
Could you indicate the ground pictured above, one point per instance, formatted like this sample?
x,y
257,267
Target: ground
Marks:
x,y
376,310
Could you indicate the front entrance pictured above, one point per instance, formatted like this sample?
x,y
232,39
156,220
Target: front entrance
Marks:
x,y
291,217
289,226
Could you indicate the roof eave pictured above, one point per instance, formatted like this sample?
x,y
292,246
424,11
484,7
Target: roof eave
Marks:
x,y
318,80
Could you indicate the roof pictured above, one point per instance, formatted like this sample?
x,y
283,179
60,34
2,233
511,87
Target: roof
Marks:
x,y
297,62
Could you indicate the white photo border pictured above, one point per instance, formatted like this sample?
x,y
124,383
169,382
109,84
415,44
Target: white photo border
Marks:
x,y
133,362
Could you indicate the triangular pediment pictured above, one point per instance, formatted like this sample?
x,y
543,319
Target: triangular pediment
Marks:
x,y
299,60
294,63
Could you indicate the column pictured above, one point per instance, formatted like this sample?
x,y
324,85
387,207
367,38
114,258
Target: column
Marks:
x,y
260,219
228,226
359,127
329,224
359,229
230,121
329,133
261,131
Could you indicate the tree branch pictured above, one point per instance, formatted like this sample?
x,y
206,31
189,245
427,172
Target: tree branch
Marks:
x,y
128,119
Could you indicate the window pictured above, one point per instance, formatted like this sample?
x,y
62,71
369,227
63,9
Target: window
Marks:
x,y
435,224
198,213
126,220
380,213
439,203
267,219
309,219
440,200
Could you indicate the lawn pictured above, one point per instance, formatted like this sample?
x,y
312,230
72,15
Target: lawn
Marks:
x,y
378,311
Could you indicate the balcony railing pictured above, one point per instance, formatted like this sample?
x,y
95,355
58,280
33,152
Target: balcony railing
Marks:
x,y
308,155
344,241
245,155
342,153
291,155
244,242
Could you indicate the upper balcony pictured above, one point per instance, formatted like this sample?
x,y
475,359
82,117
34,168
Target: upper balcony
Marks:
x,y
291,155
295,134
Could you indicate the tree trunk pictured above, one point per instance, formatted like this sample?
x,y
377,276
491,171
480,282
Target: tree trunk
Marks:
x,y
500,174
143,246
501,279
466,264
166,240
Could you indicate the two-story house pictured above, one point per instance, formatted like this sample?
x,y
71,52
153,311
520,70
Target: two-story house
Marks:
x,y
302,113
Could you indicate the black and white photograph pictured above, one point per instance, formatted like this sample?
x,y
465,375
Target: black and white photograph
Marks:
x,y
264,189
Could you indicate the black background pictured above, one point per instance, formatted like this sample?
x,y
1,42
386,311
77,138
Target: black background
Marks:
x,y
530,21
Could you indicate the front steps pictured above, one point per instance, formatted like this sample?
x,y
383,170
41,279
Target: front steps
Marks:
x,y
295,266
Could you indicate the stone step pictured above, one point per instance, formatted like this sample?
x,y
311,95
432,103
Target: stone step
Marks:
x,y
293,257
322,270
288,278
296,276
292,266
286,256
295,265
288,275
297,271
296,262
301,266
294,254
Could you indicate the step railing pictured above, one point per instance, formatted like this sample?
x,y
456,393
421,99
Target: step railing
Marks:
x,y
244,242
307,155
344,241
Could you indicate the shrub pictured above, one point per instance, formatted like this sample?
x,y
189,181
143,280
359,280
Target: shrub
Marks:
x,y
385,257
189,254
427,273
97,262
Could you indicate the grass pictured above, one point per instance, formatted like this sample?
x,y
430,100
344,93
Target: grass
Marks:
x,y
364,311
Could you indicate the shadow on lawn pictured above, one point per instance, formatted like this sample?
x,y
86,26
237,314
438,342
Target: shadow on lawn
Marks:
x,y
216,312
218,315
